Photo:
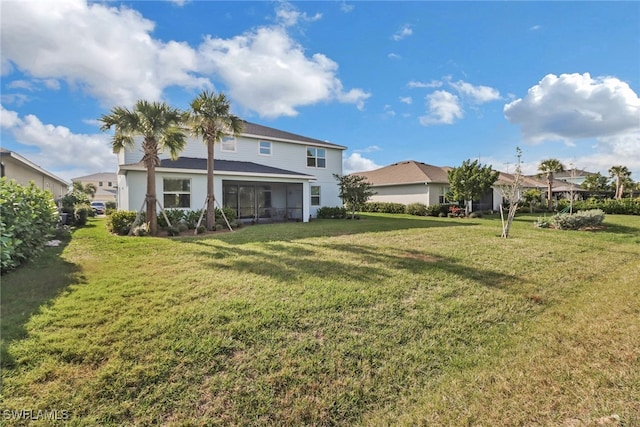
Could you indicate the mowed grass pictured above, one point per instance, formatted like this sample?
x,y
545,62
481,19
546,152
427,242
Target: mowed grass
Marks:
x,y
389,320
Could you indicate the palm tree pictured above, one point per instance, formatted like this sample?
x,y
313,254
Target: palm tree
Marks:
x,y
89,189
548,168
622,175
211,119
159,125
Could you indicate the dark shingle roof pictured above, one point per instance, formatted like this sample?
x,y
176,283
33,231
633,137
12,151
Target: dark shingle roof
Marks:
x,y
267,132
225,166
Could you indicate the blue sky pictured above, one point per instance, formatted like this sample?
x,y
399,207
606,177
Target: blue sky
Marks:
x,y
437,82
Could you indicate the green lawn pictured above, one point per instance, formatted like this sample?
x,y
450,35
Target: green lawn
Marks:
x,y
389,320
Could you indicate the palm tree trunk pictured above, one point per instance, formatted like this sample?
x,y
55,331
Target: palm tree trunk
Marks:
x,y
151,215
211,213
549,190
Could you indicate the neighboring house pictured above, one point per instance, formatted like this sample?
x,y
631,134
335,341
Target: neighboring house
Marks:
x,y
574,176
106,184
408,182
22,170
264,175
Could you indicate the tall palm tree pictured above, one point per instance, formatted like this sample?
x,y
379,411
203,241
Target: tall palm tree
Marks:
x,y
621,175
160,127
89,189
211,119
547,168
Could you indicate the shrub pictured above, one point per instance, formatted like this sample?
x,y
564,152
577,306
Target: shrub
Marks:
x,y
81,212
384,207
438,210
327,212
626,206
191,218
120,222
28,217
542,222
229,213
173,231
110,205
419,209
202,229
174,216
475,215
582,219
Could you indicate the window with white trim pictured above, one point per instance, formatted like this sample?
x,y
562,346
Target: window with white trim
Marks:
x,y
316,157
442,198
228,143
265,148
177,193
315,195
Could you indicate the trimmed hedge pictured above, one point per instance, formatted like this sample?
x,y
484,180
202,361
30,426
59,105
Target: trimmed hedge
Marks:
x,y
608,206
327,212
28,218
418,209
384,207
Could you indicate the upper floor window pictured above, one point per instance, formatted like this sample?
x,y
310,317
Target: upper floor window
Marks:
x,y
265,148
177,193
100,184
110,184
228,143
316,157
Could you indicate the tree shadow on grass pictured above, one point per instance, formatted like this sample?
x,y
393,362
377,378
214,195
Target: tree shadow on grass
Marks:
x,y
25,290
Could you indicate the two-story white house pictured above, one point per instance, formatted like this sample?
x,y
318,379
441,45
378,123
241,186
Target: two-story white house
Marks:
x,y
265,174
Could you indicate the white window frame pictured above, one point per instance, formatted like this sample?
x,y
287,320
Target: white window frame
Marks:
x,y
316,157
318,196
165,192
226,142
442,197
268,148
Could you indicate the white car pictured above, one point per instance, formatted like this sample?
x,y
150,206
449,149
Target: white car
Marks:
x,y
99,207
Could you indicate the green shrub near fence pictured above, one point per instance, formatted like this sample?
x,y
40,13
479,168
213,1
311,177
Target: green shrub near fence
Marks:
x,y
28,216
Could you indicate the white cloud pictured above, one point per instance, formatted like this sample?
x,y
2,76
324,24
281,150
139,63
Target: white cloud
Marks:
x,y
535,28
404,31
289,16
356,163
406,100
413,84
478,94
268,72
59,149
346,8
575,106
394,56
444,108
369,149
117,60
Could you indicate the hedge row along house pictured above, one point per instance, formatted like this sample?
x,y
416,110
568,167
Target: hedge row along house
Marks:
x,y
264,174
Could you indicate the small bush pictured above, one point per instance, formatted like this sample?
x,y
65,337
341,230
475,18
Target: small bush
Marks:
x,y
173,231
229,213
475,215
327,212
173,215
201,229
120,222
81,212
579,220
191,218
542,222
440,210
418,209
110,205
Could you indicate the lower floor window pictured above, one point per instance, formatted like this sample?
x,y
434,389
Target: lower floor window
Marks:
x,y
177,193
315,195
